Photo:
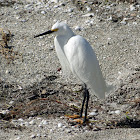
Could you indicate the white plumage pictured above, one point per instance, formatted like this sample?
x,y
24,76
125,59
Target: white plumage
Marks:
x,y
77,56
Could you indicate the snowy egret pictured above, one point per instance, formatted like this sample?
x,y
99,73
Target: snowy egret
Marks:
x,y
76,55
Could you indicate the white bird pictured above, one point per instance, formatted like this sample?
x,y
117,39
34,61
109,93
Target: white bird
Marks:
x,y
76,55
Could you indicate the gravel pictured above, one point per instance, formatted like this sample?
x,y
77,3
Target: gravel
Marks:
x,y
36,98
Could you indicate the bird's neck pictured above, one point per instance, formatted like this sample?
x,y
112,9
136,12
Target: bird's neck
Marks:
x,y
63,39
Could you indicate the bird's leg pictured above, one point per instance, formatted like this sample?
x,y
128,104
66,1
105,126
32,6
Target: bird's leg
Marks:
x,y
87,95
83,104
86,98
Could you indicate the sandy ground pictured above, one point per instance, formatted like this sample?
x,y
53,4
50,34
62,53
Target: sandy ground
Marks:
x,y
35,97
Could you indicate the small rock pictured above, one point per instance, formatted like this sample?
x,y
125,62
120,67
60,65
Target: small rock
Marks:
x,y
52,47
4,112
87,21
134,23
108,7
26,124
93,113
38,135
62,4
111,112
55,1
20,120
38,118
18,138
43,12
70,10
56,6
19,87
24,20
91,23
132,8
88,9
68,131
33,136
77,28
117,112
59,125
6,71
32,122
124,21
11,102
28,6
88,15
94,110
44,135
44,122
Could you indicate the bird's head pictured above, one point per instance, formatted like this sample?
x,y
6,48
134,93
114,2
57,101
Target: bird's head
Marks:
x,y
59,28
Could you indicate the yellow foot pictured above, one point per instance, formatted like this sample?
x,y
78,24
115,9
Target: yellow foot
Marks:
x,y
79,121
73,116
76,119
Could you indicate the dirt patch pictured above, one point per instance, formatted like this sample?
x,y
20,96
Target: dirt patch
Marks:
x,y
34,95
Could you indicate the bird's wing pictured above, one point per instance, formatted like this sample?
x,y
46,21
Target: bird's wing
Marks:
x,y
62,58
84,64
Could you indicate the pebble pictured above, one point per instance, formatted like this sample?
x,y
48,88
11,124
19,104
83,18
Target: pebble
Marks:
x,y
110,18
4,111
91,23
62,4
11,102
88,15
56,6
70,10
77,28
32,122
94,110
38,118
39,3
117,112
44,122
20,120
33,136
132,8
19,87
24,20
55,1
60,125
28,6
18,138
108,7
44,135
124,21
52,47
6,71
134,23
93,113
38,135
26,124
111,112
43,12
87,21
88,9
22,124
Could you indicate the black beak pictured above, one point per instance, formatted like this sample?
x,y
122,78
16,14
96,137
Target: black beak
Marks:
x,y
48,32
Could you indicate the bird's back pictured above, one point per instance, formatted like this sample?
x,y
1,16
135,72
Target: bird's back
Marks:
x,y
84,65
